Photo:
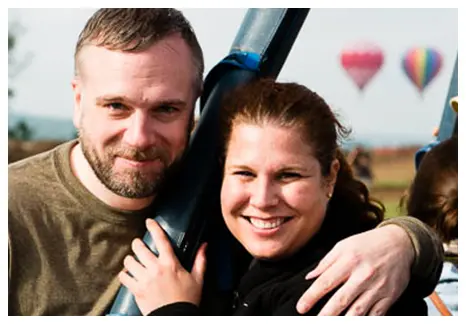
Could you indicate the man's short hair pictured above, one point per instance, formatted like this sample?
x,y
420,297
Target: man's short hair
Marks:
x,y
136,29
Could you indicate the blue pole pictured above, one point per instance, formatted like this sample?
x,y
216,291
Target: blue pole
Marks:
x,y
449,121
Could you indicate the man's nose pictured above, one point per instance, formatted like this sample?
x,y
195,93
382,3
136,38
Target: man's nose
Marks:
x,y
139,131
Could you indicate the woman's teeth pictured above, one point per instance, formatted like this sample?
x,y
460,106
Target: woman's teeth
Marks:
x,y
267,223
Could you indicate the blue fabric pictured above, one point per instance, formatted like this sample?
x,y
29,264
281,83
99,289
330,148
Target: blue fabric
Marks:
x,y
235,60
447,289
423,150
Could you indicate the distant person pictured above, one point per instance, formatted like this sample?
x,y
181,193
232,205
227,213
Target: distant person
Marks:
x,y
433,198
73,211
361,162
288,196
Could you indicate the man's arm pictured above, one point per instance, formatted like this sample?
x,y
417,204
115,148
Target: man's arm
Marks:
x,y
428,253
375,267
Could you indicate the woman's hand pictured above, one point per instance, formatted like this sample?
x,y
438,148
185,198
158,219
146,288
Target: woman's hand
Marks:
x,y
158,281
373,268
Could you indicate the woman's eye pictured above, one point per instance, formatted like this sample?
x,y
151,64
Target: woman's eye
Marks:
x,y
288,175
245,174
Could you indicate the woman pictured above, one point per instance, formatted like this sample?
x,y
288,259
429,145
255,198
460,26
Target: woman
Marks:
x,y
288,196
433,198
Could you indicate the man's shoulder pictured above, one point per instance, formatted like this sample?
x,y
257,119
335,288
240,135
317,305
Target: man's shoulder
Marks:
x,y
35,165
32,175
29,169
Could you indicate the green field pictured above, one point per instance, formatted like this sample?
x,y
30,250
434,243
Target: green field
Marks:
x,y
393,174
392,209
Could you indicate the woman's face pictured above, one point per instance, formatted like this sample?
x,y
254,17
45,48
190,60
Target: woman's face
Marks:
x,y
273,196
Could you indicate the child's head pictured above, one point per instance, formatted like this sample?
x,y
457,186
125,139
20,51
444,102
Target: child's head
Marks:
x,y
433,195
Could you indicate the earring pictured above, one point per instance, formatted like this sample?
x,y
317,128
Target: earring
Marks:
x,y
329,195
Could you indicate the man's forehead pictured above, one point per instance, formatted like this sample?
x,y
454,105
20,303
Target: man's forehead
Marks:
x,y
138,68
170,51
160,57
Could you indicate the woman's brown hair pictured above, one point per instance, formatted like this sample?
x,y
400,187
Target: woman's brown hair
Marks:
x,y
433,194
291,105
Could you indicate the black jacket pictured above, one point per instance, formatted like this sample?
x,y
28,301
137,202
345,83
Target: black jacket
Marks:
x,y
274,288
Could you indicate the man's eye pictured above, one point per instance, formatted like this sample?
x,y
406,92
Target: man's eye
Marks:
x,y
166,109
117,106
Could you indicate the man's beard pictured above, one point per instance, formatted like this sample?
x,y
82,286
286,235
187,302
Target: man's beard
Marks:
x,y
130,183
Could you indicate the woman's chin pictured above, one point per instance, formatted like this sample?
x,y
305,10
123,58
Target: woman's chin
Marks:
x,y
272,250
266,253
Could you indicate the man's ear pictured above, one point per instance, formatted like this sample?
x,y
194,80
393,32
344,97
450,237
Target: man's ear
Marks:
x,y
76,85
200,90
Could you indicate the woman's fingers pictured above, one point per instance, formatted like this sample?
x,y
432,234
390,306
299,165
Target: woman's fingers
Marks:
x,y
134,267
145,256
129,282
200,264
162,242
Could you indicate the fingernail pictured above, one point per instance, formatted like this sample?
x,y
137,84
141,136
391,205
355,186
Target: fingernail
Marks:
x,y
310,275
301,307
150,221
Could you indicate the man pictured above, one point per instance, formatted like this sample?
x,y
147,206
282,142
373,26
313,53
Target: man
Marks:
x,y
73,211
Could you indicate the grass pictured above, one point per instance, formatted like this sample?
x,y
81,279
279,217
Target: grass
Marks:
x,y
393,172
392,184
393,175
392,209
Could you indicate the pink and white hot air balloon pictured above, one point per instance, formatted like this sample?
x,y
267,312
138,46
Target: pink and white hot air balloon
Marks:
x,y
362,61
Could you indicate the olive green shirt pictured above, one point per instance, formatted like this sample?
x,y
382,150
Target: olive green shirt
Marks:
x,y
66,246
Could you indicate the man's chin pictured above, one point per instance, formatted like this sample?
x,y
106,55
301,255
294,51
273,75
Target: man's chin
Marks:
x,y
133,185
133,193
123,164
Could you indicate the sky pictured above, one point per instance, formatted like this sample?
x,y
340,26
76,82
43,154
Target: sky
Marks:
x,y
390,106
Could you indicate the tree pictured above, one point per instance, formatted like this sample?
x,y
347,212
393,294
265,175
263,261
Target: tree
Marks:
x,y
11,46
21,130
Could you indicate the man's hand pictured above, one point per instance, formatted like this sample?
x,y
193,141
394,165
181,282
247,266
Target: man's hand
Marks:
x,y
158,281
373,268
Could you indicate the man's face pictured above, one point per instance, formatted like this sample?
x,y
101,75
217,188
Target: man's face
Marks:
x,y
134,112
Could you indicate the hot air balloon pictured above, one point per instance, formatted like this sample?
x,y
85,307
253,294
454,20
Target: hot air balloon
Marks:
x,y
362,61
421,65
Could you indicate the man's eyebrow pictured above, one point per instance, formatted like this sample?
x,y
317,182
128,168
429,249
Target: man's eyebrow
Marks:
x,y
170,102
110,98
123,99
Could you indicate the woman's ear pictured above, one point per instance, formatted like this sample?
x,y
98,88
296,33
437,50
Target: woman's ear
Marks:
x,y
334,168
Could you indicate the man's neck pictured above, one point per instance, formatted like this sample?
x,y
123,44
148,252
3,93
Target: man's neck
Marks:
x,y
83,171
